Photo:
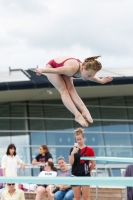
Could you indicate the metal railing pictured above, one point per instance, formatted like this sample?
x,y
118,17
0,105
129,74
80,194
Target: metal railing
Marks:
x,y
99,170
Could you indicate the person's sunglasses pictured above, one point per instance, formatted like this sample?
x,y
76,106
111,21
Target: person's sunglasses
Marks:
x,y
11,184
45,165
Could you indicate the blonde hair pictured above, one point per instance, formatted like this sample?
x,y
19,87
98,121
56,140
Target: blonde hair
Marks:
x,y
92,63
78,132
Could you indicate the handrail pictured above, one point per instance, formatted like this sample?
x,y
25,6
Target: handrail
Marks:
x,y
100,168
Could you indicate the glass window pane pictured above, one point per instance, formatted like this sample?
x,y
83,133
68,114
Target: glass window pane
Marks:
x,y
91,101
130,113
4,124
130,126
94,139
26,172
37,138
129,100
115,126
18,124
5,139
36,111
94,111
112,101
58,111
4,112
19,138
117,139
114,113
62,138
23,153
132,136
66,125
18,110
3,150
34,153
35,170
36,124
61,151
119,152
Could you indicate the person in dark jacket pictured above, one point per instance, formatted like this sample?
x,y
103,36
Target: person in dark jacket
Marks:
x,y
43,157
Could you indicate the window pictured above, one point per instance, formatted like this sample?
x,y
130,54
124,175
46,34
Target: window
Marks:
x,y
93,139
38,138
36,112
60,138
119,152
18,111
117,139
113,114
4,112
62,117
19,138
61,151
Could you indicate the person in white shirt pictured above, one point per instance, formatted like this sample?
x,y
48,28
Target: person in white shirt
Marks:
x,y
12,193
10,161
49,171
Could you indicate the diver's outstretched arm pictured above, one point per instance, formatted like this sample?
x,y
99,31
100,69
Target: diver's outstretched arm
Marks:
x,y
101,80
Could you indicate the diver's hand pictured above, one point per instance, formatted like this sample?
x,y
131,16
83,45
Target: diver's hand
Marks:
x,y
106,79
38,72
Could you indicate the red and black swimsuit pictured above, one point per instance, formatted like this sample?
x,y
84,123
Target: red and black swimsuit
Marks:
x,y
56,65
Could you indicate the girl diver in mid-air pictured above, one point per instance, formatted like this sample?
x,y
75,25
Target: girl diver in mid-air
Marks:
x,y
60,72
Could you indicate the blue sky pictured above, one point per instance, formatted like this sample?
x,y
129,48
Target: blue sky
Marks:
x,y
34,32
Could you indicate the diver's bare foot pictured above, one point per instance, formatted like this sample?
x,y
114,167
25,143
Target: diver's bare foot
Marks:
x,y
80,119
87,116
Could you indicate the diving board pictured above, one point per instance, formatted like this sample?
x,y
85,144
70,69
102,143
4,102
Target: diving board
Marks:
x,y
109,159
107,181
